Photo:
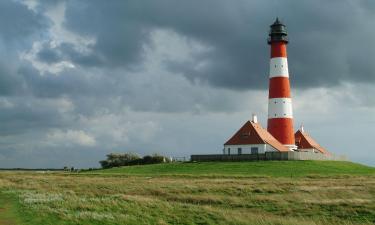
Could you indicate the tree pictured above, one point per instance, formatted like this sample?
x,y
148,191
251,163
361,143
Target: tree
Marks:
x,y
119,159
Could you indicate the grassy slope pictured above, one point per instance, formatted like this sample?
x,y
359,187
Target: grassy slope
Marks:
x,y
261,168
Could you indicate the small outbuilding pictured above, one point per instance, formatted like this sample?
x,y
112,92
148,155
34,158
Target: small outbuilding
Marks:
x,y
252,138
306,143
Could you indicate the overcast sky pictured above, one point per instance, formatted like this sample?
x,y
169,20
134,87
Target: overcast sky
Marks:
x,y
82,78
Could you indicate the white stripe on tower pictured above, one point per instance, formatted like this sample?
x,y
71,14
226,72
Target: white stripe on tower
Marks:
x,y
280,108
279,67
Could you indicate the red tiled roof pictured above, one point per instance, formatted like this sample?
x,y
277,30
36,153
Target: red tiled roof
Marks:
x,y
304,141
253,133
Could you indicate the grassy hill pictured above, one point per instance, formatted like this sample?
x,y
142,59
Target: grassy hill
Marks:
x,y
247,169
264,193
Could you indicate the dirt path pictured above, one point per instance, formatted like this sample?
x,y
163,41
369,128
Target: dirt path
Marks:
x,y
7,215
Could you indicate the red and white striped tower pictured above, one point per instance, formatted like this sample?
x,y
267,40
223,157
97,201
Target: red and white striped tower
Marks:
x,y
280,113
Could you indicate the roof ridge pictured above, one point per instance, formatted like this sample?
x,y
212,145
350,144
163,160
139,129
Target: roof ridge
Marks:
x,y
247,124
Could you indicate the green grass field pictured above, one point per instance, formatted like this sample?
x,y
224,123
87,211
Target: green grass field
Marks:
x,y
288,192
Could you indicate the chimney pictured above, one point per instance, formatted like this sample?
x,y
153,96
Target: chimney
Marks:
x,y
301,129
254,118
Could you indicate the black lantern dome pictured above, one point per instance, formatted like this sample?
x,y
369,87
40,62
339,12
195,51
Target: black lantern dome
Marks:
x,y
278,32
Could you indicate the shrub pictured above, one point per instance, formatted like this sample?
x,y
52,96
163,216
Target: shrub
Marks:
x,y
155,159
119,159
128,159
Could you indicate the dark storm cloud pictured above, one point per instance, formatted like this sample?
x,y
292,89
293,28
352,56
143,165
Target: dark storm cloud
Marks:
x,y
48,55
29,115
50,85
328,39
119,37
68,52
17,22
18,27
20,111
10,83
329,44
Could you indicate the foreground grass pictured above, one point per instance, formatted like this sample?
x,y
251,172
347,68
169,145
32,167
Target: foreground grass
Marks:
x,y
58,198
8,210
260,168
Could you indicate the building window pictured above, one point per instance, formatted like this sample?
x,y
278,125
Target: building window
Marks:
x,y
228,151
254,150
239,151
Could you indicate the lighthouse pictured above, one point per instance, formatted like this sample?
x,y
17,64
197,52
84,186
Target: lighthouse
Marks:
x,y
280,112
278,141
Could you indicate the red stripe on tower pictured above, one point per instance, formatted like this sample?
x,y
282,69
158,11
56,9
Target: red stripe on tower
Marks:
x,y
280,113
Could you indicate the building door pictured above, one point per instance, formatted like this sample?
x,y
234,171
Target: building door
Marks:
x,y
239,151
228,151
254,150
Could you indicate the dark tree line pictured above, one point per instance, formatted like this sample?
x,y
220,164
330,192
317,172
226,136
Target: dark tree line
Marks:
x,y
129,159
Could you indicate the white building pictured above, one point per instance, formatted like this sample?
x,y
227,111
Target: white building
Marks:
x,y
252,138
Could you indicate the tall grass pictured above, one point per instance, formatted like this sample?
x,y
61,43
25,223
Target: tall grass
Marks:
x,y
86,199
